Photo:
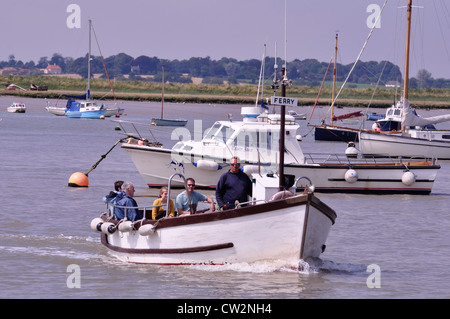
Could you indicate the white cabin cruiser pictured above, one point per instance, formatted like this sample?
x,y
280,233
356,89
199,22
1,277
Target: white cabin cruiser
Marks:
x,y
17,107
255,140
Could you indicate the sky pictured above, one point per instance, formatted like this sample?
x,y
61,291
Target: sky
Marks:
x,y
181,29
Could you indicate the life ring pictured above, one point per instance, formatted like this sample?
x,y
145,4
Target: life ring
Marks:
x,y
281,195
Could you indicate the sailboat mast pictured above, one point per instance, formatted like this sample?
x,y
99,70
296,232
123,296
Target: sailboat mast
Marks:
x,y
162,96
334,80
408,36
88,97
282,130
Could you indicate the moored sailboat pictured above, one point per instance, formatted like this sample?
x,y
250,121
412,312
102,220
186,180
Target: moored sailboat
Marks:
x,y
161,121
416,136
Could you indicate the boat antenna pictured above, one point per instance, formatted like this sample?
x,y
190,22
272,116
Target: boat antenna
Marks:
x,y
275,81
88,96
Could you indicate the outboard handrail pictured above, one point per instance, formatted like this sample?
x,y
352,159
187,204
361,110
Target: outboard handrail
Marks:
x,y
185,187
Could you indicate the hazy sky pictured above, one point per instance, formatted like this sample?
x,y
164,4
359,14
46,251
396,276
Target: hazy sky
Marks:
x,y
180,29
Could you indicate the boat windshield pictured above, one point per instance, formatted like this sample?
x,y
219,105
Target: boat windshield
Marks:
x,y
219,132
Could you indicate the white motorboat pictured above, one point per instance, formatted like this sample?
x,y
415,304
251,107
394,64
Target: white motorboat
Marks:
x,y
255,140
271,226
297,116
275,224
17,107
412,135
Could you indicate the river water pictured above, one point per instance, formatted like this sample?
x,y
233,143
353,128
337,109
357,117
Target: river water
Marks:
x,y
382,246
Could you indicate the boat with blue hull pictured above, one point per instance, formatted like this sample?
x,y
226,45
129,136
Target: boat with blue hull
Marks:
x,y
85,109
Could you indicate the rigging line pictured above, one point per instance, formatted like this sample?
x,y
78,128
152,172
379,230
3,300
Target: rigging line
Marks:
x,y
359,55
440,29
320,90
104,65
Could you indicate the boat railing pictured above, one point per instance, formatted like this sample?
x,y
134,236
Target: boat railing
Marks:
x,y
144,209
134,129
250,202
368,159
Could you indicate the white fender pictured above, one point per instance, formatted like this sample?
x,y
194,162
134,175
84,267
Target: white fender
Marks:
x,y
96,224
351,152
108,228
207,165
249,170
408,178
281,195
126,226
351,176
146,230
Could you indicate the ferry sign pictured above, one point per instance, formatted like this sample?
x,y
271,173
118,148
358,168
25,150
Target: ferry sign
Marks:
x,y
278,100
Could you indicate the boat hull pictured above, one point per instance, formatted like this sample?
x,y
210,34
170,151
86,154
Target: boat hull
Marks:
x,y
288,229
155,164
335,134
59,111
168,122
16,110
86,114
396,145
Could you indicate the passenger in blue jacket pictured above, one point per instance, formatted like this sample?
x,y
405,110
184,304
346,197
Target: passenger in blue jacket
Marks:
x,y
233,185
125,198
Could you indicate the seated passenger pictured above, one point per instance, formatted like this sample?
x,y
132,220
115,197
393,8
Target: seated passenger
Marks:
x,y
195,197
112,196
160,212
125,198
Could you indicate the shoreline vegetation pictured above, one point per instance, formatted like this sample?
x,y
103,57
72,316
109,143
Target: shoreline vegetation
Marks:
x,y
220,93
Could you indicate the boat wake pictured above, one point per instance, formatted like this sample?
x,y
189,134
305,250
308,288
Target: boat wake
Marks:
x,y
59,246
304,267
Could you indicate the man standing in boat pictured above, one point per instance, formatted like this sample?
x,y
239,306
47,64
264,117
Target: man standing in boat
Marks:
x,y
233,186
125,201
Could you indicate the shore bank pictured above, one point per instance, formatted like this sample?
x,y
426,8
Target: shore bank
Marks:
x,y
227,93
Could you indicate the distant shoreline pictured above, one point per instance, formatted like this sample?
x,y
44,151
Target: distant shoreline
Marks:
x,y
222,99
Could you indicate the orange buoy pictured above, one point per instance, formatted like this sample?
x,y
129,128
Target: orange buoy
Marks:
x,y
102,117
78,180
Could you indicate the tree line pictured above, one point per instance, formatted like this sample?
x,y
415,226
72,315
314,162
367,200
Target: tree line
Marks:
x,y
308,72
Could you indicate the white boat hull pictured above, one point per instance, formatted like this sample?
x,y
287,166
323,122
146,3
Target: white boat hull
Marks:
x,y
155,164
61,111
168,122
288,229
396,145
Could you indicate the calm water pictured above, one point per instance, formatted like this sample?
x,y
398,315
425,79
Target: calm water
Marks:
x,y
45,224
